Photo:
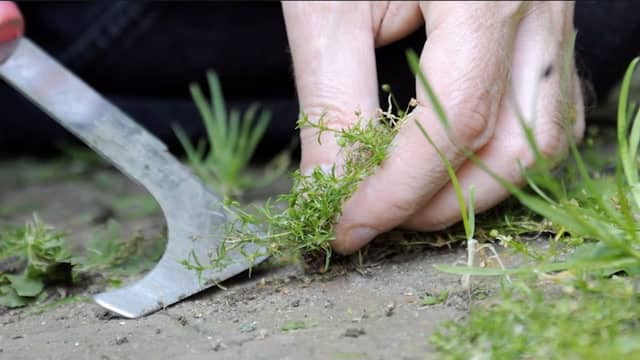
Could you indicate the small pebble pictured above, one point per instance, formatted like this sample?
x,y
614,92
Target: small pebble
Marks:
x,y
248,327
121,340
262,334
328,304
390,309
104,314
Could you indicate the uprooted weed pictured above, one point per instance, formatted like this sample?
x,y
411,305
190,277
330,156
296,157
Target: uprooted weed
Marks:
x,y
302,222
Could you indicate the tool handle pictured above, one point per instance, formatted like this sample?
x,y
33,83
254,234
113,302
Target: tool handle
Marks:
x,y
11,22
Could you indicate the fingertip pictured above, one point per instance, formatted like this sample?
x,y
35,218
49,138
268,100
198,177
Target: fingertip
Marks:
x,y
353,239
11,22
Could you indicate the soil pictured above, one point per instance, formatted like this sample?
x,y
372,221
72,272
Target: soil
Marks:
x,y
279,313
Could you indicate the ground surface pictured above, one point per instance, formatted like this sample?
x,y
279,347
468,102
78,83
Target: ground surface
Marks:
x,y
375,314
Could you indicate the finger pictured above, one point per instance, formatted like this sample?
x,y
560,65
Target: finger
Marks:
x,y
396,19
470,85
332,46
537,85
11,23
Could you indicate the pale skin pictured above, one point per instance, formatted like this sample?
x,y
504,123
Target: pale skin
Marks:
x,y
481,59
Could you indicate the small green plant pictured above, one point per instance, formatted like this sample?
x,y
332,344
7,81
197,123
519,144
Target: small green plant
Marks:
x,y
36,255
291,325
430,299
30,257
111,254
232,140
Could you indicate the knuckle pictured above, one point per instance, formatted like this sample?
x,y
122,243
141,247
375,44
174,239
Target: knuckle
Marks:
x,y
473,122
552,143
394,206
437,222
332,115
401,207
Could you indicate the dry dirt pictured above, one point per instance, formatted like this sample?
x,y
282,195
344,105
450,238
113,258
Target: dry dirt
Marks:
x,y
372,314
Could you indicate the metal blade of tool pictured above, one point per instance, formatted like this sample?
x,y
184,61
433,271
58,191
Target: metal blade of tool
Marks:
x,y
195,217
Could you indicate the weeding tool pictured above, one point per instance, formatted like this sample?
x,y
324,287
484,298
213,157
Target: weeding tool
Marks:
x,y
195,217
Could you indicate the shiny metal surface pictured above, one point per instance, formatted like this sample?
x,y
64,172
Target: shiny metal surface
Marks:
x,y
195,217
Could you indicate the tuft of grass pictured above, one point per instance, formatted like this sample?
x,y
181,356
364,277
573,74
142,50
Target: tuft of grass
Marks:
x,y
306,224
232,140
531,323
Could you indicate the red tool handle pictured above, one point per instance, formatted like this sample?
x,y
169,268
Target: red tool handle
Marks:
x,y
11,22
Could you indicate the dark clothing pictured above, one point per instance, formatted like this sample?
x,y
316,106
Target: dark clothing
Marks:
x,y
142,56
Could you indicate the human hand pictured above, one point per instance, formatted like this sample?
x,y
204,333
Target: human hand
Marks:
x,y
480,59
11,23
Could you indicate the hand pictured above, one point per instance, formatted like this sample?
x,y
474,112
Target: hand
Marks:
x,y
480,58
11,23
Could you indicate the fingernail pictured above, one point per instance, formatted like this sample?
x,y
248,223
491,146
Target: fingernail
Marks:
x,y
359,236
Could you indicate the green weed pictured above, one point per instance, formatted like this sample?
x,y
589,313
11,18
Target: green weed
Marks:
x,y
36,255
110,253
291,325
429,300
31,256
530,323
232,140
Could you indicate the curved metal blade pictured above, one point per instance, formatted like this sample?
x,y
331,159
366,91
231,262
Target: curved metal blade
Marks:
x,y
195,217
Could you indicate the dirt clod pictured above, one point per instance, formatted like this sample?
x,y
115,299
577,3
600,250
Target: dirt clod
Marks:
x,y
295,303
104,314
182,320
354,332
218,346
121,340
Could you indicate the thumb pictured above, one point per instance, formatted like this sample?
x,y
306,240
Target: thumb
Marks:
x,y
11,22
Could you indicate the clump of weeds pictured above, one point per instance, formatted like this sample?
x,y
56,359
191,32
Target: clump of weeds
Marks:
x,y
222,161
305,227
35,258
